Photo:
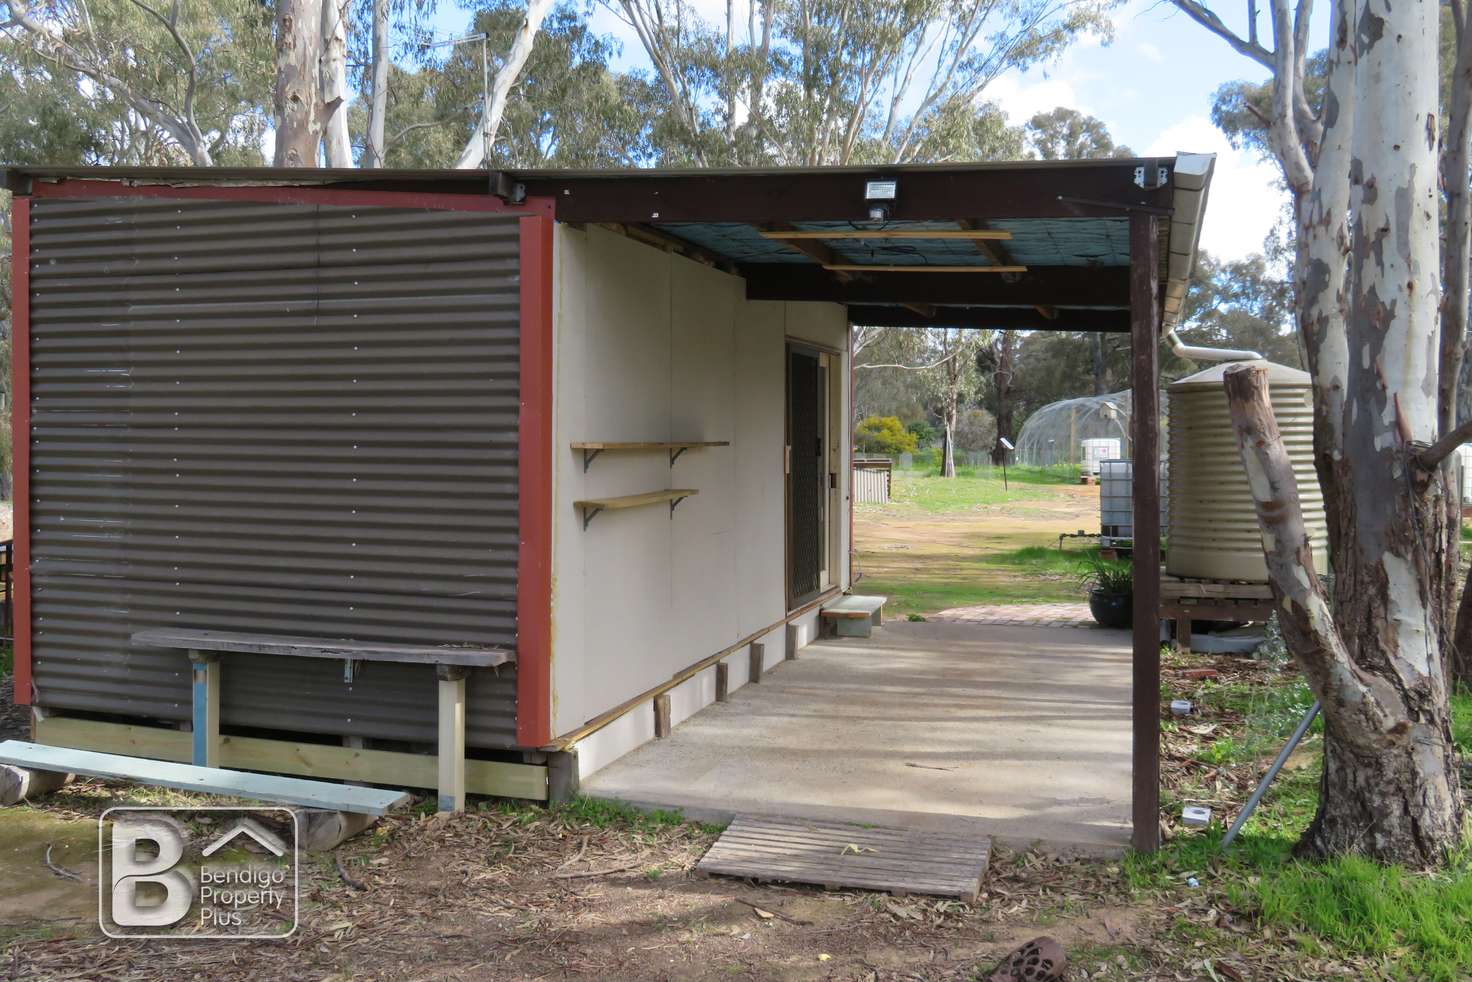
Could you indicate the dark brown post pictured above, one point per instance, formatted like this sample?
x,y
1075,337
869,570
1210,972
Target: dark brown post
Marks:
x,y
723,681
1145,419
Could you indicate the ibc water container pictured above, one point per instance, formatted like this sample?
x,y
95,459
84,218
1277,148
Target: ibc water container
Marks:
x,y
1214,533
1097,450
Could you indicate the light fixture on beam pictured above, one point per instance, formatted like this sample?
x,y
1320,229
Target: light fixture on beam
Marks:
x,y
880,195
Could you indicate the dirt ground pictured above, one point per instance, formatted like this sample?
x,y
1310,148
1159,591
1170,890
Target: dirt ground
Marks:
x,y
527,894
898,546
15,721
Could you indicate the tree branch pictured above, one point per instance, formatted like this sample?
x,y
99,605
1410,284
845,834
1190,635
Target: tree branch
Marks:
x,y
1209,20
915,368
1303,609
1431,458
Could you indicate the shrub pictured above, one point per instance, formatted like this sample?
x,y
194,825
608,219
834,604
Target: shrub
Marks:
x,y
885,435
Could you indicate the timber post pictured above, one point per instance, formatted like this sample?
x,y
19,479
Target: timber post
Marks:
x,y
1145,420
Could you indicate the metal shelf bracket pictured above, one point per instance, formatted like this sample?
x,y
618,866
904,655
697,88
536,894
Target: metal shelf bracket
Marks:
x,y
588,514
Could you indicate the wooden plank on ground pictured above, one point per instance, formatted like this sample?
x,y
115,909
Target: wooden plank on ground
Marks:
x,y
838,855
209,780
391,767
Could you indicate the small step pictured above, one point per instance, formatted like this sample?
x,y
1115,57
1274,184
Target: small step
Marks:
x,y
206,780
838,855
854,616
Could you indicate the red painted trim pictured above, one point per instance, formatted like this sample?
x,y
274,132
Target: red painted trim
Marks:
x,y
284,195
534,565
20,441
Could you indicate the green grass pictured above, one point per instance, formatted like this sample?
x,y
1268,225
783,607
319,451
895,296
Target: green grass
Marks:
x,y
7,659
1034,574
1462,720
1409,925
972,487
1418,924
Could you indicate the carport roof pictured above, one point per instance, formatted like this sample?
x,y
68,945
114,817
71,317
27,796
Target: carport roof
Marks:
x,y
1025,244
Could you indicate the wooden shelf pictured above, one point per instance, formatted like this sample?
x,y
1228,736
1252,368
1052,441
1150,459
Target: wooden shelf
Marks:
x,y
592,449
593,506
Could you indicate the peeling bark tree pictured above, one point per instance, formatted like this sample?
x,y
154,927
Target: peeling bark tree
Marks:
x,y
1363,178
333,75
299,116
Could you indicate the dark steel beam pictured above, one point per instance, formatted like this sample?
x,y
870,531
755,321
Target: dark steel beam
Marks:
x,y
1103,189
995,318
1063,286
1145,423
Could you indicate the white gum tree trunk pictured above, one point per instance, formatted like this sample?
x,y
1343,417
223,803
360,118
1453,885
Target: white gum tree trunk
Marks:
x,y
337,144
1367,270
502,80
298,82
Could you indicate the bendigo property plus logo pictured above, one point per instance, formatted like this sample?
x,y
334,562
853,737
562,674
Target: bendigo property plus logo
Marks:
x,y
197,872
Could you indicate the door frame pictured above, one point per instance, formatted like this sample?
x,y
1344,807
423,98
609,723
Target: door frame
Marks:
x,y
833,416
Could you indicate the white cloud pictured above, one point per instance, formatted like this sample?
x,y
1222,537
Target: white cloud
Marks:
x,y
1245,198
1150,52
1019,98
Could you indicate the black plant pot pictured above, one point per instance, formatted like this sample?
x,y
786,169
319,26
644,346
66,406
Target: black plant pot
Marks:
x,y
1112,609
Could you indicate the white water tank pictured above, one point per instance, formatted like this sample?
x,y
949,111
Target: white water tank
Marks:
x,y
1214,533
1097,450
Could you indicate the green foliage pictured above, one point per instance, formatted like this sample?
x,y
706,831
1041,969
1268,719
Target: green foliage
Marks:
x,y
1067,134
884,435
1238,304
1111,576
924,433
222,72
568,109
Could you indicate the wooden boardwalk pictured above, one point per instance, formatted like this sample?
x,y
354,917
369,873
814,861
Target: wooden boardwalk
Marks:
x,y
836,855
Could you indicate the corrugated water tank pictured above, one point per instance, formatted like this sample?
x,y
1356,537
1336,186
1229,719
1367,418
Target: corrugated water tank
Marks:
x,y
1214,533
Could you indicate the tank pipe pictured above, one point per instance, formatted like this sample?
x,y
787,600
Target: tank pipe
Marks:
x,y
1193,353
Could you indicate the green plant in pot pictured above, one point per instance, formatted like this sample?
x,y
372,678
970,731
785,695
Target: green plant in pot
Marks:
x,y
1111,589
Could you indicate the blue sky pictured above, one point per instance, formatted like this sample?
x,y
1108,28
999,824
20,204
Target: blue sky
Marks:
x,y
1152,86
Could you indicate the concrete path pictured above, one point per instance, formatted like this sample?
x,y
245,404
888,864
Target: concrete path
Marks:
x,y
1022,733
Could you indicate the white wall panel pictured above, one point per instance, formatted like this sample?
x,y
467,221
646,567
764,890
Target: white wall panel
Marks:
x,y
653,347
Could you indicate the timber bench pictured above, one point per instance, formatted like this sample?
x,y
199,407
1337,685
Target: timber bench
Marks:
x,y
853,616
451,664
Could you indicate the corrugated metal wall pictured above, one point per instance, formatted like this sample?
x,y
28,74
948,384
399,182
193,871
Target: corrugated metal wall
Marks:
x,y
288,419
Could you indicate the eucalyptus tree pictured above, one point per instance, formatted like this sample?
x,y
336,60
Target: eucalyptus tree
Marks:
x,y
811,82
1361,163
1064,133
194,75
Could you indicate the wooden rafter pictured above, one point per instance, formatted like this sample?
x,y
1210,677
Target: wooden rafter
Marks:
x,y
919,268
975,235
823,254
